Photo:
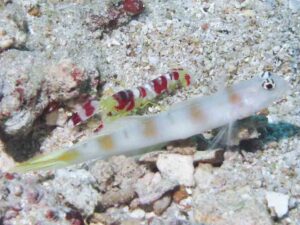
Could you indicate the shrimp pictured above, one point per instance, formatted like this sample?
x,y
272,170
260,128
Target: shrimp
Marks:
x,y
129,135
126,101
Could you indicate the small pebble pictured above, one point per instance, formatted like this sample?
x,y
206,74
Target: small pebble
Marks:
x,y
133,7
51,215
161,205
180,194
178,168
2,32
9,176
151,187
138,214
18,190
35,11
6,43
278,203
130,222
186,203
214,157
204,175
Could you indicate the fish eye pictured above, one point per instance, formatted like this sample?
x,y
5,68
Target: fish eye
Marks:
x,y
268,84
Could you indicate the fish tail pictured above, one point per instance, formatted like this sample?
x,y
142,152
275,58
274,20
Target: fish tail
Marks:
x,y
55,160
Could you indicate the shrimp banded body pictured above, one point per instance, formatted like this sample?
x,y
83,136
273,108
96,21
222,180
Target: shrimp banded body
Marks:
x,y
130,134
125,101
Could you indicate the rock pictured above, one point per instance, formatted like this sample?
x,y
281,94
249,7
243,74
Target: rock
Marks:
x,y
79,183
204,175
152,186
214,157
137,214
13,29
293,203
100,218
131,222
29,83
23,198
103,172
125,170
115,16
278,204
186,204
117,196
177,168
56,118
6,162
233,206
182,147
161,205
20,80
134,204
180,194
155,221
151,157
176,215
34,11
116,178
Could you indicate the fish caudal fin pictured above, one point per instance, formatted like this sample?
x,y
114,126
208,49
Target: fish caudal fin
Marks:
x,y
55,160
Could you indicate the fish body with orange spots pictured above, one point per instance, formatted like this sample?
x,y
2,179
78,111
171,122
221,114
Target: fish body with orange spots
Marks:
x,y
130,134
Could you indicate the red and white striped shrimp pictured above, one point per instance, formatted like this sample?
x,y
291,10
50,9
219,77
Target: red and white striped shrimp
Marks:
x,y
85,111
125,101
130,134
